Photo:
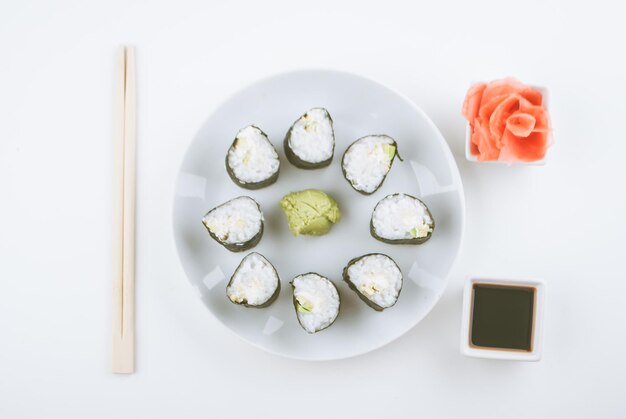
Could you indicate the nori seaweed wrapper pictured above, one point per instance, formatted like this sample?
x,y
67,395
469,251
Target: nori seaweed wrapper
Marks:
x,y
252,185
417,240
238,247
343,169
297,161
296,304
353,287
271,299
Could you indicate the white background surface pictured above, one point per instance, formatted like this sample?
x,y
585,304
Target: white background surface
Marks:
x,y
563,222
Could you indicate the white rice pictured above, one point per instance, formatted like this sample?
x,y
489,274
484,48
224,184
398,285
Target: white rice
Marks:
x,y
236,221
252,158
378,278
311,137
366,162
254,281
320,296
401,216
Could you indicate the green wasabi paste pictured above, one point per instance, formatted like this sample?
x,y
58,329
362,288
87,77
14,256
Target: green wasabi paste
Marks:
x,y
310,212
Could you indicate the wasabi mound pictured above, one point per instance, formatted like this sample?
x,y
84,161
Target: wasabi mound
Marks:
x,y
310,212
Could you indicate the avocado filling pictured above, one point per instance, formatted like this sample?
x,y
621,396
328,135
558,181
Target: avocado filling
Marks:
x,y
421,230
303,305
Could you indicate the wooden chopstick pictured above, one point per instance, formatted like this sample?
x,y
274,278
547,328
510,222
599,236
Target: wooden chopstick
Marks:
x,y
124,181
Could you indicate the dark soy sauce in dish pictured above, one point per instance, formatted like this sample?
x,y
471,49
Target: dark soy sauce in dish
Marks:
x,y
502,317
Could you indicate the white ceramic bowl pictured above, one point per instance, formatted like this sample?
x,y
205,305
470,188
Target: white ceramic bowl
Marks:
x,y
537,331
358,107
468,141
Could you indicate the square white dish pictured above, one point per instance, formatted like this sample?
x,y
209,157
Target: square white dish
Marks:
x,y
468,140
468,349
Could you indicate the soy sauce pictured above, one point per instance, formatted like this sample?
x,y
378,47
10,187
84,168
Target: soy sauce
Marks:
x,y
502,317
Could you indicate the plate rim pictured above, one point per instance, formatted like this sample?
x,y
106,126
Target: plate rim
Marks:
x,y
456,178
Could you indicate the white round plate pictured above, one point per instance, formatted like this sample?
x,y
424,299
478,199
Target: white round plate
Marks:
x,y
358,107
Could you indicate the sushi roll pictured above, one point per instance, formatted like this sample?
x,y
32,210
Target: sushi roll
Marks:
x,y
367,161
252,161
316,301
310,142
401,219
237,224
376,278
255,282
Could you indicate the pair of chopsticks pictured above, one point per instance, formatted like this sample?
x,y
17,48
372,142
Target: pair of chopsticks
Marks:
x,y
124,160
